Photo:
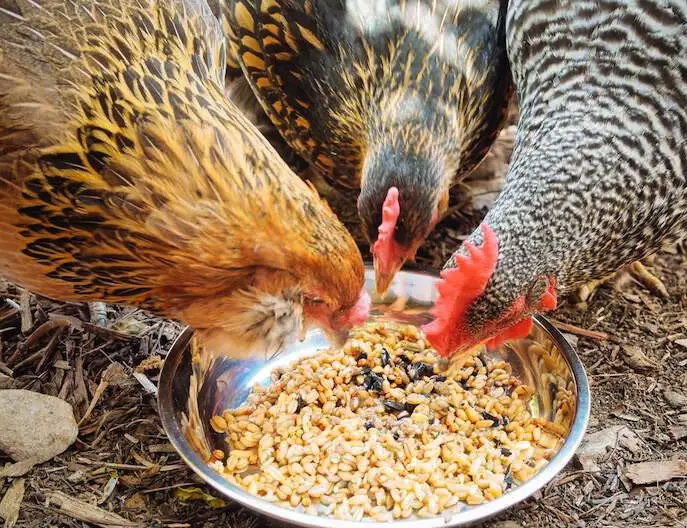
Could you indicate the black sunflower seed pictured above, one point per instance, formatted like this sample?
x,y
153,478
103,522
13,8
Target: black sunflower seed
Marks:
x,y
373,382
497,421
419,370
362,355
438,378
386,357
553,391
369,425
483,359
301,404
506,452
410,407
508,479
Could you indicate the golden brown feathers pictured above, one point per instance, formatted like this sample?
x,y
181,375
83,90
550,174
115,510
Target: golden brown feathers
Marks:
x,y
380,95
127,176
335,76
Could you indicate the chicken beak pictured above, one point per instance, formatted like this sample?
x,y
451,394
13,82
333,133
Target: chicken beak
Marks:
x,y
384,278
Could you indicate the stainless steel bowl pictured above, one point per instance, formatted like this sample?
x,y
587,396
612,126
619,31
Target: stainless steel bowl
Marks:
x,y
190,395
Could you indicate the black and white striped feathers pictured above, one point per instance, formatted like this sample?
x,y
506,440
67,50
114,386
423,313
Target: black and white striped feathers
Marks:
x,y
598,175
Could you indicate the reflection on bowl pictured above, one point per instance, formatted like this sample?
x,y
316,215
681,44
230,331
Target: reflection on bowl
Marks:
x,y
191,393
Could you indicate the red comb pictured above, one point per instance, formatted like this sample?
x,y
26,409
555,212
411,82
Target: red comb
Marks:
x,y
458,288
359,312
390,211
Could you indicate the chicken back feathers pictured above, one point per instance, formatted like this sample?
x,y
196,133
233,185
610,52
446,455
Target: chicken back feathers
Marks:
x,y
598,175
380,95
127,176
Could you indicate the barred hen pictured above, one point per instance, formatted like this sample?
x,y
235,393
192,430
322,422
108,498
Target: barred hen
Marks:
x,y
399,99
126,176
598,175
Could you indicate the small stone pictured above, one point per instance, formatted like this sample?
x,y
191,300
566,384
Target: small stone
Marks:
x,y
675,399
35,426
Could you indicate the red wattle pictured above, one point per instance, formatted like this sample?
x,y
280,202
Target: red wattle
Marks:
x,y
359,312
549,301
517,331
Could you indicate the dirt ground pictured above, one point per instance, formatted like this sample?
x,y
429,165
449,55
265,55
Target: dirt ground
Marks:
x,y
633,344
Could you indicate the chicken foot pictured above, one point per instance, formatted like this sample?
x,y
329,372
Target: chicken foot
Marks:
x,y
635,272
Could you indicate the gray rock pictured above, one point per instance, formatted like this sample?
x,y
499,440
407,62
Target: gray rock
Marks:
x,y
35,426
675,399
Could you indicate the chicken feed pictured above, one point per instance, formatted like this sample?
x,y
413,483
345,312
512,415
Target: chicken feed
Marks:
x,y
373,430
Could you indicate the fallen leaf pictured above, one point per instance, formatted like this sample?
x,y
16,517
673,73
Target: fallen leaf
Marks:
x,y
108,490
637,359
116,375
656,471
681,342
136,502
11,503
675,399
596,445
188,494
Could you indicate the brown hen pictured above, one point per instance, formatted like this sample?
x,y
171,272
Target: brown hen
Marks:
x,y
126,176
400,99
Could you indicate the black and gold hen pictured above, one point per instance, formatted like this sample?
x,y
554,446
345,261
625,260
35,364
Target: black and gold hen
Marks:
x,y
126,176
400,99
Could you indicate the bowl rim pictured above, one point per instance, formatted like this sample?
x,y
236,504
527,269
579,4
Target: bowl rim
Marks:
x,y
464,517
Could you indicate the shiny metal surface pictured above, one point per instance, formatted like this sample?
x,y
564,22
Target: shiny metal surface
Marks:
x,y
189,395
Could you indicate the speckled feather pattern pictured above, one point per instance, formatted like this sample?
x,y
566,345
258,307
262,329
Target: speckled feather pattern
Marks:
x,y
598,177
418,87
127,176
